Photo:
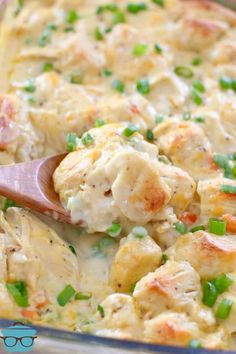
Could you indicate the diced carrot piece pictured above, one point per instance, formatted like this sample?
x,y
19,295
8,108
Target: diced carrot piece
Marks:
x,y
29,314
188,218
230,222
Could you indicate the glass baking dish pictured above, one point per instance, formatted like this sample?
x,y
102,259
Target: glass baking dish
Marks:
x,y
55,341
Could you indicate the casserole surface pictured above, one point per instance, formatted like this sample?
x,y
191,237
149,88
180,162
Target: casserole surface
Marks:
x,y
167,68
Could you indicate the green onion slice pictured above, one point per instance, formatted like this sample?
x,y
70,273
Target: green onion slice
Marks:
x,y
87,139
99,123
18,290
195,343
140,49
223,309
66,295
8,203
197,228
158,49
100,309
143,86
135,8
149,135
139,232
130,130
47,67
209,294
83,295
118,86
217,226
222,283
71,142
184,72
114,230
228,189
181,228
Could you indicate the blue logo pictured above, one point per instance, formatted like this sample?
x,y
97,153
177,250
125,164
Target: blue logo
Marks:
x,y
18,338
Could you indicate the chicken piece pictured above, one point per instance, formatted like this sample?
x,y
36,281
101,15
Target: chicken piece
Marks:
x,y
113,178
208,9
214,202
18,139
175,286
134,259
29,244
187,146
208,254
120,319
171,328
119,53
224,52
199,33
181,185
178,329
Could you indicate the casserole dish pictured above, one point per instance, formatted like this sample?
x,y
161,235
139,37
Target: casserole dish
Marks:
x,y
47,99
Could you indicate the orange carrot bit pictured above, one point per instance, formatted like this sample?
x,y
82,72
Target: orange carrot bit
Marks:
x,y
188,218
230,222
29,314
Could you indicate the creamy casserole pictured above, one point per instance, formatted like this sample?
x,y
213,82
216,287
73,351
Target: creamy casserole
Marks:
x,y
142,95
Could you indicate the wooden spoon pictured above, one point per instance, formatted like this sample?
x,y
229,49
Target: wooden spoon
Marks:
x,y
30,185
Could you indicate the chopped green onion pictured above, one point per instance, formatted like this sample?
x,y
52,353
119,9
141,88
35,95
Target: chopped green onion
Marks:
x,y
234,171
66,295
222,283
18,290
71,247
199,120
158,48
197,228
197,98
83,295
164,259
99,123
76,78
108,7
209,294
159,119
102,244
132,288
19,7
225,83
100,309
71,142
187,116
72,16
130,130
118,86
198,85
217,226
164,159
183,71
69,29
47,67
223,162
99,35
139,232
118,17
8,203
45,38
181,227
52,27
149,135
135,8
30,87
107,72
31,100
197,61
233,84
140,49
114,230
143,86
223,309
195,343
228,189
159,2
87,139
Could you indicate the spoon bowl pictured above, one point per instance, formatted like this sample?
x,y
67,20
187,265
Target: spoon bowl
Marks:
x,y
30,185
